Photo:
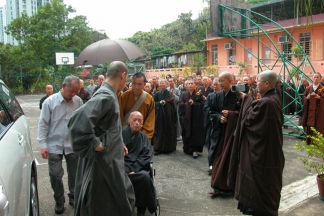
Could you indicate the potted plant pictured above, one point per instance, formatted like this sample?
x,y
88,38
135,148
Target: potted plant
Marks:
x,y
315,158
212,69
297,51
187,71
243,66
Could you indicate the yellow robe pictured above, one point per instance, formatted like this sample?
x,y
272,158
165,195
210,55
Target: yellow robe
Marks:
x,y
127,101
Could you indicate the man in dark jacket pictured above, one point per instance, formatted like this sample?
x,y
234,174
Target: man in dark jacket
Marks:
x,y
83,93
49,92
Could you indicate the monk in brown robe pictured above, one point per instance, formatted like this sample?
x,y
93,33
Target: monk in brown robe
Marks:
x,y
257,159
147,108
313,114
221,114
191,108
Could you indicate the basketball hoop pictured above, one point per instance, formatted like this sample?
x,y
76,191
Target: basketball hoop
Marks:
x,y
65,60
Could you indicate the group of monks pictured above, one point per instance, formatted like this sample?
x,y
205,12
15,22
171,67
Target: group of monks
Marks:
x,y
241,130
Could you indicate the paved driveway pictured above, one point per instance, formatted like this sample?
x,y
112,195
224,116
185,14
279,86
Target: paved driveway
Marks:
x,y
183,183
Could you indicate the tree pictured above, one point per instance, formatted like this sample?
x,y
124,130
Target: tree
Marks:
x,y
197,62
172,36
161,50
49,31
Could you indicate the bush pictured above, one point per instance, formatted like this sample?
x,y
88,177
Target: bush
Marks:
x,y
315,153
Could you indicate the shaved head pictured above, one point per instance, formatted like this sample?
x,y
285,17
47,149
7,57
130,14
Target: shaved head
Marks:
x,y
135,121
115,69
270,76
226,75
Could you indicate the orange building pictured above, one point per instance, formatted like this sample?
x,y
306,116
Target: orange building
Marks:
x,y
257,53
263,46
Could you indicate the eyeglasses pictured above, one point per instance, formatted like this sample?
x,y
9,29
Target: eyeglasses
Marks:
x,y
264,81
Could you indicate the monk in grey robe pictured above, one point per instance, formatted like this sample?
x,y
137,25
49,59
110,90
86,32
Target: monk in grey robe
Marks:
x,y
102,186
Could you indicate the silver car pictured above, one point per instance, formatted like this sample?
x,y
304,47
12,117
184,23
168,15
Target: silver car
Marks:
x,y
18,174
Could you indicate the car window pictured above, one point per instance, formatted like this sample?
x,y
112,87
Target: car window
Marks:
x,y
4,119
10,102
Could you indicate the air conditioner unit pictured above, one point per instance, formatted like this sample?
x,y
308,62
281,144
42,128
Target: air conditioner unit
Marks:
x,y
228,46
283,39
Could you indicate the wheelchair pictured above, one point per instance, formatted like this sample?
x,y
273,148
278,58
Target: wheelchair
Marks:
x,y
152,175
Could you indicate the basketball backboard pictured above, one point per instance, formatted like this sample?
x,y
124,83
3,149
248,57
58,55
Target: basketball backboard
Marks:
x,y
229,21
64,58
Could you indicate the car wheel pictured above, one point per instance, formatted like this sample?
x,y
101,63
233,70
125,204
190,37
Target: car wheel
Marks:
x,y
34,204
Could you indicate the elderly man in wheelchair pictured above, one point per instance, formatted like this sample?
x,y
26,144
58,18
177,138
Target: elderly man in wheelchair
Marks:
x,y
137,164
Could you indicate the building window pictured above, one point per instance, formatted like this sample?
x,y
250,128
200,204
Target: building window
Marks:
x,y
214,54
286,48
232,55
305,42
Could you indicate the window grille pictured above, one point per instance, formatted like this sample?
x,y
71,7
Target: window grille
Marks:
x,y
305,42
286,48
215,54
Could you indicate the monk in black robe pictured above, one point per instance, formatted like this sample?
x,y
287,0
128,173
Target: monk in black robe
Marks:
x,y
257,159
191,108
313,114
137,163
301,92
289,96
165,131
221,117
278,88
205,88
102,186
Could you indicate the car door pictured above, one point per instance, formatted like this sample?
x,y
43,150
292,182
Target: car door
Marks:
x,y
13,159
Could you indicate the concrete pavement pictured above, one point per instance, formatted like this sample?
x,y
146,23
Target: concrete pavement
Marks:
x,y
183,183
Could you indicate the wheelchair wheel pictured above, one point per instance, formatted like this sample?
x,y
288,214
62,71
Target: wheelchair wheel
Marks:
x,y
157,212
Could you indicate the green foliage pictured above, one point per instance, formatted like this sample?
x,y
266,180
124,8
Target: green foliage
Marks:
x,y
161,50
187,71
30,66
314,151
243,66
175,73
184,34
163,75
253,1
295,73
297,51
212,69
189,47
50,30
197,61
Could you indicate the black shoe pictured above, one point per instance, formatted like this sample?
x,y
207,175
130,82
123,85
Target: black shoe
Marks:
x,y
226,192
140,211
71,201
59,208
